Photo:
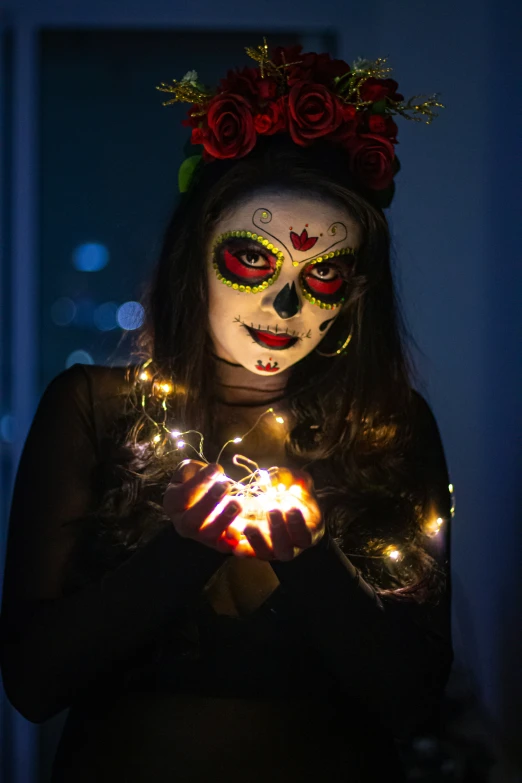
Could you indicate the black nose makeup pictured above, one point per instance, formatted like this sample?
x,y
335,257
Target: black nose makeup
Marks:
x,y
286,303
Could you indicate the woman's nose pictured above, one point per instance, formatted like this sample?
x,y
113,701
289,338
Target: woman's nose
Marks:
x,y
285,302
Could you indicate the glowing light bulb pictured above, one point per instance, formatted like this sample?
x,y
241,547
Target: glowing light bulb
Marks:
x,y
280,419
156,438
166,387
175,433
450,487
180,444
440,521
281,488
144,376
238,440
394,554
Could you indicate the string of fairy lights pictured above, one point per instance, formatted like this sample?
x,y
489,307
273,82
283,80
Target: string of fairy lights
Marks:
x,y
259,490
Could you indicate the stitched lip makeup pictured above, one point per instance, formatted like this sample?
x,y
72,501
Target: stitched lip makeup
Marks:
x,y
276,342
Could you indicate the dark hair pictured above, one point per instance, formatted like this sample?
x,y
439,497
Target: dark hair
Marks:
x,y
371,489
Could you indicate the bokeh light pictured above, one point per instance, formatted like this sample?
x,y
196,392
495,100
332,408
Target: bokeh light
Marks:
x,y
130,315
63,311
105,316
79,357
90,257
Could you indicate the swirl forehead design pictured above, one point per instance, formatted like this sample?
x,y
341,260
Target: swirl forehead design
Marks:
x,y
338,230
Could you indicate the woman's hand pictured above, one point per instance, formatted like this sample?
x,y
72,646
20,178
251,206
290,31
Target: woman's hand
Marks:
x,y
292,528
196,502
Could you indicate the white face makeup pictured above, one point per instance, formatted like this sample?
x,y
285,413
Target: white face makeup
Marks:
x,y
279,268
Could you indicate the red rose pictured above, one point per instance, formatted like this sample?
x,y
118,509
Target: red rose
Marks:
x,y
198,136
282,55
351,120
377,89
376,123
319,68
383,126
371,160
309,67
391,130
229,131
248,83
349,112
313,111
273,119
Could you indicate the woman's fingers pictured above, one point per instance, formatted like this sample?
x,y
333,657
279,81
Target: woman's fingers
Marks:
x,y
200,507
194,517
186,470
257,541
282,545
181,496
298,531
216,532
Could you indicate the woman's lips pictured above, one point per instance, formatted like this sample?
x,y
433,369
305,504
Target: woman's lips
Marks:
x,y
276,342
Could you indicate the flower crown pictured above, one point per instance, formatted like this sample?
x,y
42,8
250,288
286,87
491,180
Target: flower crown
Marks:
x,y
308,96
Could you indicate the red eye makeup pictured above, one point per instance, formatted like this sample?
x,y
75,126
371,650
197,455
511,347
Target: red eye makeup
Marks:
x,y
246,261
324,282
325,285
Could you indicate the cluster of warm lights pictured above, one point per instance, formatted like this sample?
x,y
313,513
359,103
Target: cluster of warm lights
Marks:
x,y
257,492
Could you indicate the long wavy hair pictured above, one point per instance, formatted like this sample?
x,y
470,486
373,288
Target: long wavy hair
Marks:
x,y
361,454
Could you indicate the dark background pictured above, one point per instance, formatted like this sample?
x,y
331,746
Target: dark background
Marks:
x,y
88,156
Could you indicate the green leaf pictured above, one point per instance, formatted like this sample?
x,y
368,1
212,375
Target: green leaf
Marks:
x,y
186,171
202,88
339,79
379,107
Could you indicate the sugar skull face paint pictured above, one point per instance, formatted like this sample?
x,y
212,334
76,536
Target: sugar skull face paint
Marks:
x,y
279,269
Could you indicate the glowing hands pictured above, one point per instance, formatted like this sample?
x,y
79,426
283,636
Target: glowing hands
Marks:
x,y
277,524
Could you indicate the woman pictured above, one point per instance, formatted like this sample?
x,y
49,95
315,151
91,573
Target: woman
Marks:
x,y
189,640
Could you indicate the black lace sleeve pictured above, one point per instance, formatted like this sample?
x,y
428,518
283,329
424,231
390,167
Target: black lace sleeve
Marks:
x,y
390,656
53,643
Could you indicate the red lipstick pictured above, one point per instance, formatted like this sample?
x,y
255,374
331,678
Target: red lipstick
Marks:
x,y
277,342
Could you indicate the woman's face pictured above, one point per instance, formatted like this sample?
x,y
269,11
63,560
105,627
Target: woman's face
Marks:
x,y
279,265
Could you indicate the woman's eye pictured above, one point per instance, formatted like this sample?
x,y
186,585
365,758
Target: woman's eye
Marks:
x,y
323,279
326,272
239,262
252,259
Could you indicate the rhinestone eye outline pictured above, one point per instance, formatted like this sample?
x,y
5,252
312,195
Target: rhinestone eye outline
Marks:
x,y
321,259
264,242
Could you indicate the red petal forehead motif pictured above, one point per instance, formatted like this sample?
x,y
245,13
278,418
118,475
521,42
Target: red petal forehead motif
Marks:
x,y
303,242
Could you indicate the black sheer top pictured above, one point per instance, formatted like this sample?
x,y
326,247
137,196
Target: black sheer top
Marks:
x,y
315,684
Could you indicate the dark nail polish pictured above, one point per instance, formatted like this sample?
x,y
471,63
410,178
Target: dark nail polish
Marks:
x,y
231,509
218,490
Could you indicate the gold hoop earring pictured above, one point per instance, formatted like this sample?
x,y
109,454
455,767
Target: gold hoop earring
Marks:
x,y
339,350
